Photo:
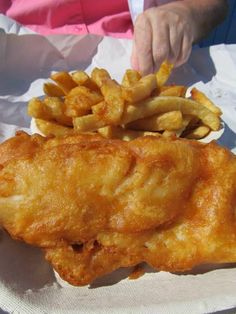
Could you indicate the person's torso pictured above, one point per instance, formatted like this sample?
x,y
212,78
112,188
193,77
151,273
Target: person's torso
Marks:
x,y
101,17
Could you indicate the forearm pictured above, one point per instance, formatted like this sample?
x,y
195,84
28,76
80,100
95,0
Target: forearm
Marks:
x,y
206,14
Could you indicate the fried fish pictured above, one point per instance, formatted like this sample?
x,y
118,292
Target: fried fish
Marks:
x,y
94,205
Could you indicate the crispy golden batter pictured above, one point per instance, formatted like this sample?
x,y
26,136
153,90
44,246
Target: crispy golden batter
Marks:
x,y
95,205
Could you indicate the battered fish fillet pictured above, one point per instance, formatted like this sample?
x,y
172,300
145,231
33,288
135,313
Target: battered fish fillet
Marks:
x,y
94,205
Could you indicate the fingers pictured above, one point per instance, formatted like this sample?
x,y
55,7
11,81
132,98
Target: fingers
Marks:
x,y
142,51
185,51
176,41
159,35
161,48
134,58
168,36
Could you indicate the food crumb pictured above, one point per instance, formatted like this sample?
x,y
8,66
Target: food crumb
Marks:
x,y
137,272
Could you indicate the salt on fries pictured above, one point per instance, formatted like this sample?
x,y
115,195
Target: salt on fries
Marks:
x,y
139,106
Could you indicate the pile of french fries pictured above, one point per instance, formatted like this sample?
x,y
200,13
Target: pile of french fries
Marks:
x,y
138,106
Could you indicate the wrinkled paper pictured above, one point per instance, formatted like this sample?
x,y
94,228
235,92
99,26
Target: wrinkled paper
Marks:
x,y
27,282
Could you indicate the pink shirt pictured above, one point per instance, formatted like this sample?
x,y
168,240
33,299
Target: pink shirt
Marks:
x,y
102,17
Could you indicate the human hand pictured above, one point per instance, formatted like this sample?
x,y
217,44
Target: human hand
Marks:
x,y
162,33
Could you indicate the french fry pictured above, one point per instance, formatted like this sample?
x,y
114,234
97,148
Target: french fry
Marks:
x,y
124,134
114,101
49,128
185,124
64,81
106,131
157,105
100,109
147,133
37,109
51,108
168,133
164,73
193,122
130,78
52,90
141,90
205,101
82,79
180,131
176,90
100,76
139,106
79,101
88,123
55,107
198,133
171,121
103,110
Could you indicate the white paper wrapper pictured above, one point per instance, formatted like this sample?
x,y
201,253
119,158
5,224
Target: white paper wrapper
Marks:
x,y
27,282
